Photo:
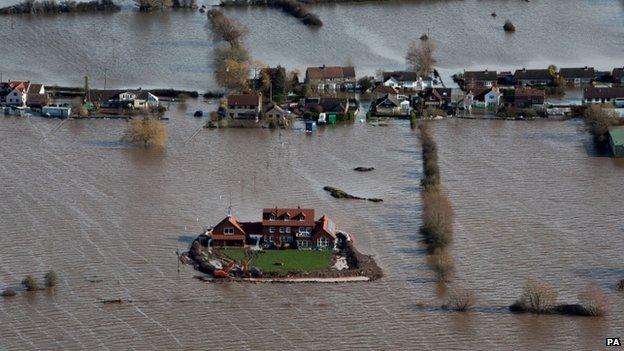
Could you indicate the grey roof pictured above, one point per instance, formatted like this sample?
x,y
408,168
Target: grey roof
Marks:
x,y
603,93
480,75
532,74
581,72
618,74
390,98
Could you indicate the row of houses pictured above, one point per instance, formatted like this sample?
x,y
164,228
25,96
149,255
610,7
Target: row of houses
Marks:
x,y
251,106
23,94
576,76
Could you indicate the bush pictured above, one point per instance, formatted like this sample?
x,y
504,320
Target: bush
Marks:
x,y
51,279
8,292
537,297
147,132
437,226
620,285
593,301
509,27
442,264
460,300
30,283
598,120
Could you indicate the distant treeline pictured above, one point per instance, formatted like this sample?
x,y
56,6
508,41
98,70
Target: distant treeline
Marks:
x,y
291,7
65,6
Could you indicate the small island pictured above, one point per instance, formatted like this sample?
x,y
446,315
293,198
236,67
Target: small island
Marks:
x,y
287,245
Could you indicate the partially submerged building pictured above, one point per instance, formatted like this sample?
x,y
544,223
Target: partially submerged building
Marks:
x,y
287,227
616,140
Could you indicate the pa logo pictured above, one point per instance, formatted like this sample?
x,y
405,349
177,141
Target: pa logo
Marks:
x,y
613,342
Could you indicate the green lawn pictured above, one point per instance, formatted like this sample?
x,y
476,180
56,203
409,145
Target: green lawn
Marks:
x,y
293,260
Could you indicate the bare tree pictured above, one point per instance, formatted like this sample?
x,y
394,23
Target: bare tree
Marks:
x,y
227,29
232,68
420,58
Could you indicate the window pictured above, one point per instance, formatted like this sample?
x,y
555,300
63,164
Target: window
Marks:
x,y
271,217
303,243
286,239
281,230
271,238
271,229
287,217
288,230
228,231
322,242
301,218
301,229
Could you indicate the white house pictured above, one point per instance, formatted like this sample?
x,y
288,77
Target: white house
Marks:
x,y
140,99
401,80
18,92
492,98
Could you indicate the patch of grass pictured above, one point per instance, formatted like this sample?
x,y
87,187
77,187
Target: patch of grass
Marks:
x,y
285,260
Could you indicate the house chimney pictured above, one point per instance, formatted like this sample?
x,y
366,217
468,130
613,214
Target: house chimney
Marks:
x,y
523,69
586,68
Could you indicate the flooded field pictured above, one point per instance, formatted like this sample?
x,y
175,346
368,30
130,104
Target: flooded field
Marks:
x,y
173,48
108,218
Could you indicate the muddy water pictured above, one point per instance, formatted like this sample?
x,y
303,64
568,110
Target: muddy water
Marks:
x,y
108,218
173,48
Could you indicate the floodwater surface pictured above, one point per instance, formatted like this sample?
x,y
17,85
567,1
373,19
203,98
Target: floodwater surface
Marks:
x,y
174,48
108,217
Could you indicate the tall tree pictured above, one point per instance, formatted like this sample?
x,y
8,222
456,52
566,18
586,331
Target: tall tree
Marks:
x,y
420,58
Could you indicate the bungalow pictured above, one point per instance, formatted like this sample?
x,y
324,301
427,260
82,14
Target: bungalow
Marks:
x,y
333,107
613,95
123,99
330,78
578,76
244,106
400,79
618,76
528,98
479,79
532,77
390,105
291,227
616,140
437,97
273,110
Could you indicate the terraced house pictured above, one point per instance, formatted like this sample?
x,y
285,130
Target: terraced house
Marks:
x,y
289,227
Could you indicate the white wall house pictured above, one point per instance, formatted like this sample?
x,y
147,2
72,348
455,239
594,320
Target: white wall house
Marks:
x,y
492,98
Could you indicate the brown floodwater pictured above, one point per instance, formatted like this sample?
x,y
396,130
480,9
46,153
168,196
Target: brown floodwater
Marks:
x,y
532,200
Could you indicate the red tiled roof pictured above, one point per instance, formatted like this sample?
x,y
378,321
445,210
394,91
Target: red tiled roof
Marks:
x,y
279,214
243,100
529,92
385,89
329,72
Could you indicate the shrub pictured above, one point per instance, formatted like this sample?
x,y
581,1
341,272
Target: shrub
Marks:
x,y
30,283
460,300
147,132
51,279
593,301
437,226
537,297
509,27
8,292
620,285
598,121
442,264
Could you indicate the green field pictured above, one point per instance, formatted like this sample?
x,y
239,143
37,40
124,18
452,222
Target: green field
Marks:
x,y
292,260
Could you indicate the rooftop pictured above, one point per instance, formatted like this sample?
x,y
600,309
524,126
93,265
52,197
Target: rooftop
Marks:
x,y
617,134
330,72
243,100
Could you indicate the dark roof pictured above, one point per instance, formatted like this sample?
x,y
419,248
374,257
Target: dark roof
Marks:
x,y
582,72
402,76
603,93
329,72
480,75
437,94
532,74
251,227
34,89
618,74
524,92
385,89
104,95
243,100
330,104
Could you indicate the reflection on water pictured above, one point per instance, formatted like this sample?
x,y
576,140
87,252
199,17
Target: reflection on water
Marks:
x,y
109,220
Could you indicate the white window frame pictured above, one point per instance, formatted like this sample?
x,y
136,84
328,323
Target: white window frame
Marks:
x,y
281,230
322,242
228,231
288,230
271,230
